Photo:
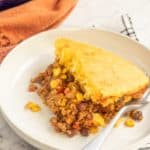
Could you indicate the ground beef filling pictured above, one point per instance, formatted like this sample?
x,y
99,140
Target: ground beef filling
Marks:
x,y
65,98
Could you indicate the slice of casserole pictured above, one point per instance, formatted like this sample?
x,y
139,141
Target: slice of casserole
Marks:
x,y
86,86
104,76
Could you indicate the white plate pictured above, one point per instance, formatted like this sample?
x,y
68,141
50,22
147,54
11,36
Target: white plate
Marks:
x,y
31,57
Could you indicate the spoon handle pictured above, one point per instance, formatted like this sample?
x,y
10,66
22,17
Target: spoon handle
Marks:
x,y
97,142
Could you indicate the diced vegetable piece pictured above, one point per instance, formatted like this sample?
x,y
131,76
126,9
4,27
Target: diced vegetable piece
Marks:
x,y
130,123
98,120
33,107
56,72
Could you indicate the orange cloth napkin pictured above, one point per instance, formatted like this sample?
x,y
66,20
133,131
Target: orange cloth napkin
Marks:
x,y
18,23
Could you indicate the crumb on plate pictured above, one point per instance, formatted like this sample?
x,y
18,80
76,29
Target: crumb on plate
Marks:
x,y
33,106
129,123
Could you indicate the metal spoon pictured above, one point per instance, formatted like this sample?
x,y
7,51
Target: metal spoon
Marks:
x,y
97,142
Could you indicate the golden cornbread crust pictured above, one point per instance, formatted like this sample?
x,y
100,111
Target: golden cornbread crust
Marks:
x,y
105,76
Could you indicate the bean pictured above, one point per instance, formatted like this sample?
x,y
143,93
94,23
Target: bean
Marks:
x,y
84,132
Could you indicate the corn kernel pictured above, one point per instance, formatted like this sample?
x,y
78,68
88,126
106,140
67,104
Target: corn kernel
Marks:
x,y
129,123
118,123
56,72
94,130
98,120
79,96
63,76
54,83
33,107
29,105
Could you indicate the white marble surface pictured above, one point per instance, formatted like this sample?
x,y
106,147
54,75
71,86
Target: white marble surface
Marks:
x,y
102,14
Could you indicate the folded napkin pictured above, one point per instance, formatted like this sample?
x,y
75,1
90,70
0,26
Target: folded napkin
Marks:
x,y
18,23
128,27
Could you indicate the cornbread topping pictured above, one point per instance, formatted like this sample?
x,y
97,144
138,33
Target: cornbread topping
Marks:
x,y
104,76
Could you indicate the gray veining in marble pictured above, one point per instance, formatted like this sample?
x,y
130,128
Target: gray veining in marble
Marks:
x,y
9,140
